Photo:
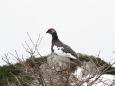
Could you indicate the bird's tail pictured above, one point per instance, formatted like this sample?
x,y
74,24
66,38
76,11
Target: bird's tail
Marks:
x,y
78,62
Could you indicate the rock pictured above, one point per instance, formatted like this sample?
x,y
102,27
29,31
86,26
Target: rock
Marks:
x,y
53,74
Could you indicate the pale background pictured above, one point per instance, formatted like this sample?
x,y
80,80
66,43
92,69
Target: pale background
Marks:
x,y
88,26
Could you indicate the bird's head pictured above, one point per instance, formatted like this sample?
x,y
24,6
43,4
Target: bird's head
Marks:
x,y
51,31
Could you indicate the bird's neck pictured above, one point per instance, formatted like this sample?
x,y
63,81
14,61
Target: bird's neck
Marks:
x,y
54,37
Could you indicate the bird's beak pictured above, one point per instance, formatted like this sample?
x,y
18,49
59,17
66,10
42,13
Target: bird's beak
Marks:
x,y
47,32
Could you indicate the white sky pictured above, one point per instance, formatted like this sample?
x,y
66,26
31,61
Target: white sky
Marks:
x,y
88,26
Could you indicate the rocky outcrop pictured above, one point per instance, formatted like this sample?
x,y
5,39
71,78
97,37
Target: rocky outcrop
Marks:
x,y
52,74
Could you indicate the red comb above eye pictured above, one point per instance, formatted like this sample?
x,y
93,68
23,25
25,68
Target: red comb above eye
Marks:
x,y
49,29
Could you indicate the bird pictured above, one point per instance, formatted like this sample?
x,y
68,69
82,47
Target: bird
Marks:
x,y
61,51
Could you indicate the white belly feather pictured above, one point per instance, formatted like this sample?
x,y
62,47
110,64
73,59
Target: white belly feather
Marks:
x,y
62,56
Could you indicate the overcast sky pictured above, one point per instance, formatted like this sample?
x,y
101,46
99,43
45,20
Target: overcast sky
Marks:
x,y
88,26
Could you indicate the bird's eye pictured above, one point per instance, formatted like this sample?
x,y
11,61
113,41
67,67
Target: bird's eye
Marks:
x,y
53,31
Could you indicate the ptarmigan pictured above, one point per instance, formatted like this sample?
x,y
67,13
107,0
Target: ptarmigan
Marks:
x,y
63,52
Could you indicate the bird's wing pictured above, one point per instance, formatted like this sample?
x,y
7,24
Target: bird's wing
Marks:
x,y
68,49
63,50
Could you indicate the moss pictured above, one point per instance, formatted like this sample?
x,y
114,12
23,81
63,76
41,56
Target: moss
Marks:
x,y
5,74
99,62
33,61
